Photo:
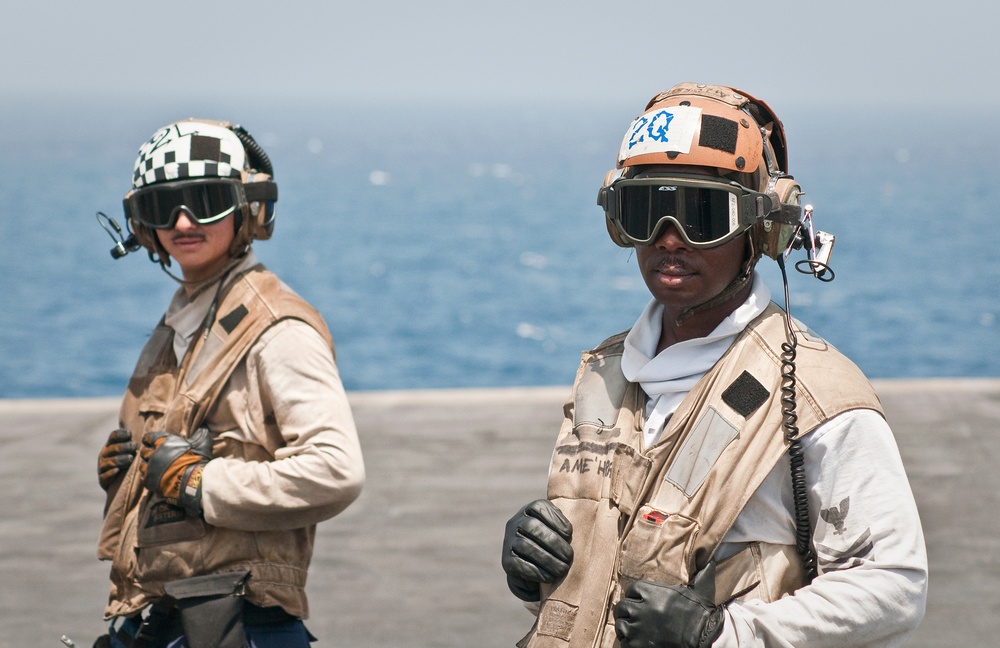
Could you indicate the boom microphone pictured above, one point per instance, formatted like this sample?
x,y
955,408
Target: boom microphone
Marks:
x,y
123,244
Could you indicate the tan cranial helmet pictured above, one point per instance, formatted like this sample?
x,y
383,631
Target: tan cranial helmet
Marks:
x,y
724,129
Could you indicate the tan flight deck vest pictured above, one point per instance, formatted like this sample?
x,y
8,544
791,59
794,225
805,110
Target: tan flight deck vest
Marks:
x,y
659,514
151,542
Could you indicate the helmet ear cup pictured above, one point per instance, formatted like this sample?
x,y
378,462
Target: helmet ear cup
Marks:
x,y
260,213
773,235
615,235
613,232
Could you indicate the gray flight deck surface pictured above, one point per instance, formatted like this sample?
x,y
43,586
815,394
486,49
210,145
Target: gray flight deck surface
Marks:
x,y
416,560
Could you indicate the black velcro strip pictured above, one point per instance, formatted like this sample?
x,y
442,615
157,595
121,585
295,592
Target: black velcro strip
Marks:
x,y
230,321
205,148
718,133
746,394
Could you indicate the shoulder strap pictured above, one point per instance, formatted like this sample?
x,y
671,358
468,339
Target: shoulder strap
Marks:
x,y
730,425
254,301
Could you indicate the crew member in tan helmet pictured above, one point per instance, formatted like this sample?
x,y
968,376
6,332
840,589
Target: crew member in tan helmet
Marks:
x,y
723,476
235,435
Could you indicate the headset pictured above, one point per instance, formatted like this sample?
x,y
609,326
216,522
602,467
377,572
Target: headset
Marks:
x,y
255,221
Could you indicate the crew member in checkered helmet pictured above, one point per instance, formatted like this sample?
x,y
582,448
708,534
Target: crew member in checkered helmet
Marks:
x,y
723,476
235,435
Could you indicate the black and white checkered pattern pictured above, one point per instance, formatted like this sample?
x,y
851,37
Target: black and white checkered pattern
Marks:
x,y
189,149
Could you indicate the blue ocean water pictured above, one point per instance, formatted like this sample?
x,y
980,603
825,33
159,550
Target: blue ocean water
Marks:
x,y
460,245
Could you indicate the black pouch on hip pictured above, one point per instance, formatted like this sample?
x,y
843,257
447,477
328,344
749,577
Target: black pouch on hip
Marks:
x,y
211,608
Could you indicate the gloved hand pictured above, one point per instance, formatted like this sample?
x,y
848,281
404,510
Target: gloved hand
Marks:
x,y
172,466
536,548
651,615
115,458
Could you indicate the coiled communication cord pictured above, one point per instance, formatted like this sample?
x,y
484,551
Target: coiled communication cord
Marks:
x,y
258,158
803,526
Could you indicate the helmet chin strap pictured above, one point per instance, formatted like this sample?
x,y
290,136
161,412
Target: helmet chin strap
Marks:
x,y
198,285
729,292
237,250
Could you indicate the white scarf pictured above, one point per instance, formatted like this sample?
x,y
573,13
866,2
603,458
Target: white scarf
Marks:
x,y
668,376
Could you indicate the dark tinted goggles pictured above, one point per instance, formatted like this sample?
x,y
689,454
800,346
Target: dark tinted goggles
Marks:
x,y
706,213
206,200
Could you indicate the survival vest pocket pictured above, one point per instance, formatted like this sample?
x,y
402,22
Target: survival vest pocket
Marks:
x,y
657,548
160,522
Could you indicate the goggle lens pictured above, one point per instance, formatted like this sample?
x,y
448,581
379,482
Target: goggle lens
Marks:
x,y
706,213
206,201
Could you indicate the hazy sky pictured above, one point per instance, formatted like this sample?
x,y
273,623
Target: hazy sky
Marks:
x,y
816,52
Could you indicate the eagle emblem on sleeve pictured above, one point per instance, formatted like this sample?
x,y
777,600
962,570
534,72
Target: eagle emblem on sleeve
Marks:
x,y
837,515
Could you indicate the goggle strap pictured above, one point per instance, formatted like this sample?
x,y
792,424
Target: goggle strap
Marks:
x,y
756,206
787,213
128,209
260,191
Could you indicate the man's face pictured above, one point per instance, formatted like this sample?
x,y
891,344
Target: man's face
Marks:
x,y
200,250
680,276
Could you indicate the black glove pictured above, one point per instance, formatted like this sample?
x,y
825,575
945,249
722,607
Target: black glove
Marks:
x,y
115,458
670,616
172,466
536,548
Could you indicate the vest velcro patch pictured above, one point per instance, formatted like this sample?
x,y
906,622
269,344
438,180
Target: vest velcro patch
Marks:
x,y
746,394
232,320
700,450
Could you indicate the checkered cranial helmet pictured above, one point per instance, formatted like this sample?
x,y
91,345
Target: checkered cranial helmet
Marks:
x,y
197,148
189,149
